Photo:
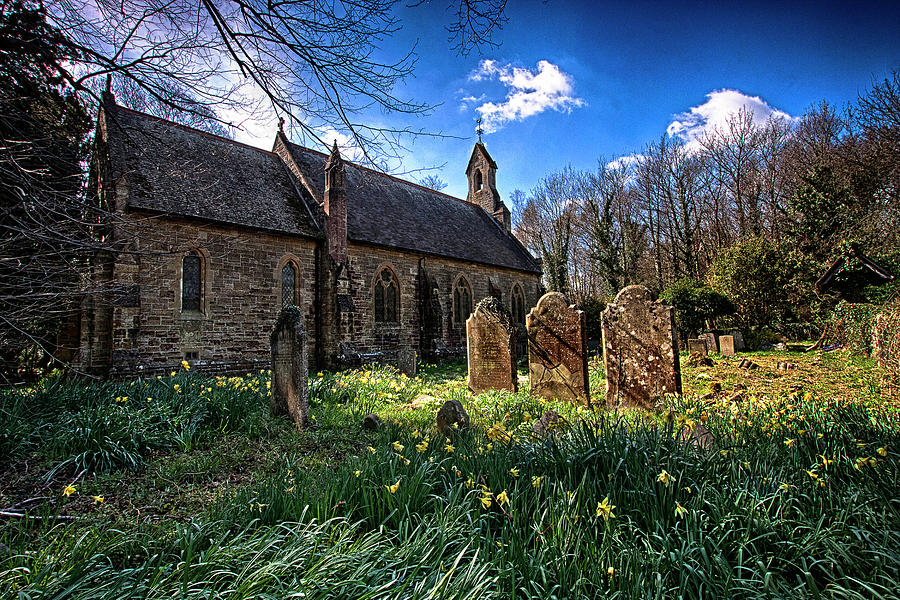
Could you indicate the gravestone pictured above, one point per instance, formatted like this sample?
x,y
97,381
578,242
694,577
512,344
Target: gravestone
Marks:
x,y
726,345
557,355
697,347
406,362
290,391
639,349
712,343
739,345
491,347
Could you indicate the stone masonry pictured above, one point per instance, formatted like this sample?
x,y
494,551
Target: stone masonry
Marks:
x,y
639,349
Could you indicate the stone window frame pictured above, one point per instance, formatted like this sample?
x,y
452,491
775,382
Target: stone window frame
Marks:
x,y
375,282
205,285
516,286
453,300
478,181
285,260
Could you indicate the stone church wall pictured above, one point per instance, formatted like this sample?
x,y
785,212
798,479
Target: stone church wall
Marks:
x,y
241,298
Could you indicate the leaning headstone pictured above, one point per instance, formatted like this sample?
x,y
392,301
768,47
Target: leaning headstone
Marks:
x,y
290,392
697,347
726,345
406,362
557,355
640,349
451,416
491,344
712,344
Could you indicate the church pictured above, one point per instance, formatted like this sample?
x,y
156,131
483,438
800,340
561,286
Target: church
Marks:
x,y
213,237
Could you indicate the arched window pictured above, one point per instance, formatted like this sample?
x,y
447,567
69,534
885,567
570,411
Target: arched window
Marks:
x,y
479,183
462,300
387,297
288,285
518,304
191,282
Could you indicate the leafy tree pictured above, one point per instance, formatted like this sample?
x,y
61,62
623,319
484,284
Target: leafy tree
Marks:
x,y
756,275
695,305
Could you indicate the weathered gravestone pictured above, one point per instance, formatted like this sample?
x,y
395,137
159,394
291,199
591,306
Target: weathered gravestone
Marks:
x,y
698,347
726,345
557,355
712,343
290,391
406,362
491,343
639,349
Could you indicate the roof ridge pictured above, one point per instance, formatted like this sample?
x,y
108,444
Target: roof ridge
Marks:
x,y
192,129
383,174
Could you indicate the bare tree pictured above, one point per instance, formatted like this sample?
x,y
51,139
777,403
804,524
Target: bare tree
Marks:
x,y
319,63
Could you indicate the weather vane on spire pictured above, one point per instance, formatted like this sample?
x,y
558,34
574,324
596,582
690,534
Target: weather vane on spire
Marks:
x,y
478,129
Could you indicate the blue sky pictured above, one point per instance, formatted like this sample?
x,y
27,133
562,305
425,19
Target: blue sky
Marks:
x,y
573,82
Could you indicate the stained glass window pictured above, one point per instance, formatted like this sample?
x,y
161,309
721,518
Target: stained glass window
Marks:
x,y
387,298
191,278
288,285
462,301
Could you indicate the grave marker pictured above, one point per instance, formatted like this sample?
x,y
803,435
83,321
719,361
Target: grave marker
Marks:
x,y
557,353
290,384
726,345
491,348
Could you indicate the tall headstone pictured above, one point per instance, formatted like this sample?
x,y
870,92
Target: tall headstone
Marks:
x,y
406,362
557,352
712,342
290,384
639,349
726,345
739,345
698,347
491,347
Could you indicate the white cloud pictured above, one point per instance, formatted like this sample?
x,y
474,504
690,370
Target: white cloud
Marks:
x,y
528,92
714,113
625,162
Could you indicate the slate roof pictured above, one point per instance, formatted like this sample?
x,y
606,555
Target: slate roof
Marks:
x,y
177,170
388,211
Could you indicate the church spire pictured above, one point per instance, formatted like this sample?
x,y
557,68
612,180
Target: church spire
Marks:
x,y
482,176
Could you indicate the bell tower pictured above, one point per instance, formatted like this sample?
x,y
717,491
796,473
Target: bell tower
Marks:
x,y
482,176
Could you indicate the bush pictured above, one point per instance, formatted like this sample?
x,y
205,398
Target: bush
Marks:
x,y
695,303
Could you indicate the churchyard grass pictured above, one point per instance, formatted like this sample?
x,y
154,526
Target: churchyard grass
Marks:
x,y
204,495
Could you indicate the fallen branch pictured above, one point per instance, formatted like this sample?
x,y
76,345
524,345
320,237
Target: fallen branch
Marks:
x,y
18,515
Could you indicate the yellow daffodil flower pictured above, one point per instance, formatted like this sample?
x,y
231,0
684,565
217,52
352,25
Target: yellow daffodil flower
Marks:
x,y
680,511
514,472
98,499
486,502
789,442
393,488
371,449
422,446
502,498
605,509
398,446
882,451
665,478
536,481
357,473
449,448
68,491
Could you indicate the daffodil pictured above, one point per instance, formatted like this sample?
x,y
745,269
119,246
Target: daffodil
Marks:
x,y
98,499
449,448
536,481
882,451
665,478
611,572
393,488
486,501
605,509
186,365
680,511
68,491
514,472
789,442
398,446
422,446
357,473
371,449
502,498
